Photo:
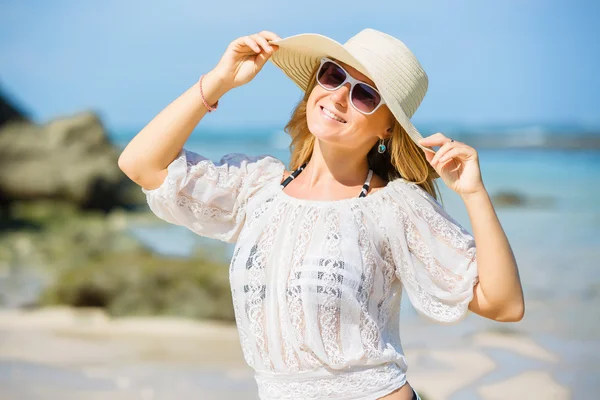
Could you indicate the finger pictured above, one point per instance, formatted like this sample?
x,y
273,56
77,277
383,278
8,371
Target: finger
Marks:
x,y
240,44
261,59
262,42
428,152
442,151
436,139
269,35
442,166
459,152
429,155
250,42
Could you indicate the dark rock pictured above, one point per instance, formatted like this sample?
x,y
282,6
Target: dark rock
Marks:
x,y
68,158
9,112
141,283
514,199
64,210
89,258
508,199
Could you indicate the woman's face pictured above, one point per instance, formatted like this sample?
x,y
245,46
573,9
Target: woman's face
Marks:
x,y
352,129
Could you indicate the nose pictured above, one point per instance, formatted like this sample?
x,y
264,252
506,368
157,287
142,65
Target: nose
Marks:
x,y
341,95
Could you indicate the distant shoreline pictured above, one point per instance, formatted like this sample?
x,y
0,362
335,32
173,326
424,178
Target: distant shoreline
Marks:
x,y
527,141
549,141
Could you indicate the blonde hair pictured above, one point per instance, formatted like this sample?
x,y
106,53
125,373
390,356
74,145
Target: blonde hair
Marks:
x,y
402,158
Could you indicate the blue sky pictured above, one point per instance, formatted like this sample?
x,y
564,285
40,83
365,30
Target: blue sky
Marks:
x,y
510,62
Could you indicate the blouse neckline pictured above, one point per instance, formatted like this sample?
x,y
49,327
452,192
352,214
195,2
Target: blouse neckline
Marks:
x,y
325,203
363,195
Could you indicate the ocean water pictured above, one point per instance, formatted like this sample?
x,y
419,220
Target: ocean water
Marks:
x,y
555,235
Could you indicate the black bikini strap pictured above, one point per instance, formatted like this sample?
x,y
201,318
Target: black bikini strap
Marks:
x,y
292,176
365,187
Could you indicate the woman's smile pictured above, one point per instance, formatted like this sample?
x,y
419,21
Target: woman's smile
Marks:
x,y
330,115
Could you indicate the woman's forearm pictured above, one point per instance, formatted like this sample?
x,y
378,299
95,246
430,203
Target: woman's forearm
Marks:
x,y
499,282
159,142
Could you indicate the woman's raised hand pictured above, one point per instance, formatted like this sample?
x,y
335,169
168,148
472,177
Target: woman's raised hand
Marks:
x,y
456,163
244,58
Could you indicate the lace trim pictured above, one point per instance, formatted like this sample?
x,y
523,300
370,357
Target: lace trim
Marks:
x,y
335,384
444,228
293,293
329,309
369,331
290,356
256,285
221,173
388,268
244,340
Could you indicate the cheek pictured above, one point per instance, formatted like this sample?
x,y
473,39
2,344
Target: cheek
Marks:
x,y
315,96
310,105
311,112
315,121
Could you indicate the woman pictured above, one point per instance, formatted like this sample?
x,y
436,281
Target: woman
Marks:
x,y
323,253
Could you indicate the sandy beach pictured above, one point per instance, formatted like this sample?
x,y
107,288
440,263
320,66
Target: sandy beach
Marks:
x,y
83,354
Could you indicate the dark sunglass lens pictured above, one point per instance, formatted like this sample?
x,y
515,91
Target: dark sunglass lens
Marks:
x,y
365,98
331,76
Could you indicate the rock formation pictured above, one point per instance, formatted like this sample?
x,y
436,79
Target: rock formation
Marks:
x,y
68,159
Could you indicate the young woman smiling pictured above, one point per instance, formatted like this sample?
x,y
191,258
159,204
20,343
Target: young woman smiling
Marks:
x,y
325,250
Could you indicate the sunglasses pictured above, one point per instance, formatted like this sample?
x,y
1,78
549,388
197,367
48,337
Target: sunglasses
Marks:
x,y
363,97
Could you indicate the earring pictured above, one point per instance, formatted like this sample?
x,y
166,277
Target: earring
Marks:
x,y
381,148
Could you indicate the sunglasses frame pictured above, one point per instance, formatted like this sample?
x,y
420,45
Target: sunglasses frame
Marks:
x,y
353,82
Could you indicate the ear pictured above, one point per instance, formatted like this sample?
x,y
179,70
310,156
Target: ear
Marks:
x,y
388,133
392,124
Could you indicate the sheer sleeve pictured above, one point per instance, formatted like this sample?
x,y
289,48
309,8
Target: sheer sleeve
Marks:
x,y
210,198
434,256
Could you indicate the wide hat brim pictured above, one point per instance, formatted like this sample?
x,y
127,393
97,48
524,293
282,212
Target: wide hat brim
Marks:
x,y
298,56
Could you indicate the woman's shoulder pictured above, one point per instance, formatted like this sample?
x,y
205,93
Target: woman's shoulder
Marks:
x,y
377,183
251,171
398,184
402,191
263,160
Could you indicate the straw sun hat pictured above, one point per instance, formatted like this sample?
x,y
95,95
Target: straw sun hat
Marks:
x,y
384,59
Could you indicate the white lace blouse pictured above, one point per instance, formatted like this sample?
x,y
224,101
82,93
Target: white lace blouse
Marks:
x,y
316,285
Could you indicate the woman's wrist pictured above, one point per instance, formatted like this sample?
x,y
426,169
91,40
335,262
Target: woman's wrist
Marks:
x,y
214,86
477,194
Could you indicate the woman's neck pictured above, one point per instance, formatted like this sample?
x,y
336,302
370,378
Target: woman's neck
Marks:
x,y
331,165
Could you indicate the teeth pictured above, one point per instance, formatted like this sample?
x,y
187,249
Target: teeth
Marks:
x,y
331,115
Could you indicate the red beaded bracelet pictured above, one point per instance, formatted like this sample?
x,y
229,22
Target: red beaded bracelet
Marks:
x,y
208,107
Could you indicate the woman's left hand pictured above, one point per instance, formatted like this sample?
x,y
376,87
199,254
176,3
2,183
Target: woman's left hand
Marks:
x,y
456,163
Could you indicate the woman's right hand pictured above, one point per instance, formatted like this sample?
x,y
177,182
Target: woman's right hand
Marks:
x,y
244,58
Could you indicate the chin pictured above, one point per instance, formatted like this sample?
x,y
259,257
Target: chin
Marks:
x,y
324,133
